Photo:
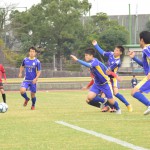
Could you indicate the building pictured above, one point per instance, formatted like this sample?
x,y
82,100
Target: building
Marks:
x,y
138,24
128,65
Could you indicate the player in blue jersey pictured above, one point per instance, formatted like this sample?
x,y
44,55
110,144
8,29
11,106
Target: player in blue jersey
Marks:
x,y
101,81
32,69
143,85
114,63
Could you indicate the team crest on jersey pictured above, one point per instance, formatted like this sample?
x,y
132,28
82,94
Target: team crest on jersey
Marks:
x,y
33,64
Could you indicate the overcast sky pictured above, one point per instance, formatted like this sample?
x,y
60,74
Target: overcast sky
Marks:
x,y
111,7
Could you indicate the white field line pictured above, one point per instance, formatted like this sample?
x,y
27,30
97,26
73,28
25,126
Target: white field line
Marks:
x,y
108,119
103,136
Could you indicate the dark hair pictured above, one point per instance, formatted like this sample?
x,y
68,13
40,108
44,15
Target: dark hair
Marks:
x,y
33,48
145,35
133,75
121,48
90,51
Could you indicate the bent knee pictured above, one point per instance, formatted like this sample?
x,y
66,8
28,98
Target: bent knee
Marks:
x,y
22,90
89,98
134,91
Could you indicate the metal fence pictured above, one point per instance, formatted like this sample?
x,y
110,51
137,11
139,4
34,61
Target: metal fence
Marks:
x,y
49,73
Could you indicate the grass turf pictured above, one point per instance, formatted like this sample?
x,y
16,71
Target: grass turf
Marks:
x,y
23,129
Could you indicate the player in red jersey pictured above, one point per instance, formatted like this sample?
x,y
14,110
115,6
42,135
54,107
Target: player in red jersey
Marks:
x,y
90,83
2,74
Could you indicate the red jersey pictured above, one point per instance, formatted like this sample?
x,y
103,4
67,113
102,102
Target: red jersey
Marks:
x,y
2,72
91,82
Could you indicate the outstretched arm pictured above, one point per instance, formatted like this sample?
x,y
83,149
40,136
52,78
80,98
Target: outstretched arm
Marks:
x,y
99,49
80,61
138,61
132,55
88,85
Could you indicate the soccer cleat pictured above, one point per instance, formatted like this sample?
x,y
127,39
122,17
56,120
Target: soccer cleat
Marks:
x,y
32,107
105,109
102,105
26,102
129,107
118,112
147,111
112,110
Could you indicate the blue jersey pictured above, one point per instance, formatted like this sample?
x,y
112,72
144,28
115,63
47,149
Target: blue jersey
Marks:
x,y
31,68
146,59
113,63
98,69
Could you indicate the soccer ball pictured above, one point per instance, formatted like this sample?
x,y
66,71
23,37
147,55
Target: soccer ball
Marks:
x,y
3,107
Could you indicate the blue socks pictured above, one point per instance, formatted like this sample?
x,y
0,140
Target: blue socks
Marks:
x,y
24,95
96,104
98,99
116,106
33,101
141,98
119,96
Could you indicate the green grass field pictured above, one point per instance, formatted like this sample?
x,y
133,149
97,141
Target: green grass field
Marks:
x,y
23,129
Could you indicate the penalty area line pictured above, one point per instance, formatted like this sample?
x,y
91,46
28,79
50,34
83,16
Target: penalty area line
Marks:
x,y
103,136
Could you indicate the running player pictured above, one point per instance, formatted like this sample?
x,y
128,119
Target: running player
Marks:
x,y
143,85
32,67
102,83
114,63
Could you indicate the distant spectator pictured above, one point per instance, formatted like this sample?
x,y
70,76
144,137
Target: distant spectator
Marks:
x,y
134,81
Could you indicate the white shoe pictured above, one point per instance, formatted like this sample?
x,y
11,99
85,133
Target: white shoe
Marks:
x,y
147,111
118,111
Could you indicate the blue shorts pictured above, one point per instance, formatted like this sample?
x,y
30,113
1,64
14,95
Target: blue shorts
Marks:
x,y
29,85
106,89
144,85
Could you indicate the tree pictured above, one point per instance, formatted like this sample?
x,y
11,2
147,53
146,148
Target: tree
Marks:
x,y
61,27
4,28
55,24
115,35
107,32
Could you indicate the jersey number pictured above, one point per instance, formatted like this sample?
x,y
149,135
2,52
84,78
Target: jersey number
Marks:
x,y
29,69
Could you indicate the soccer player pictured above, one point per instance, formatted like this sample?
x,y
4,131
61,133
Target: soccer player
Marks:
x,y
143,85
32,67
2,74
113,65
101,81
101,94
